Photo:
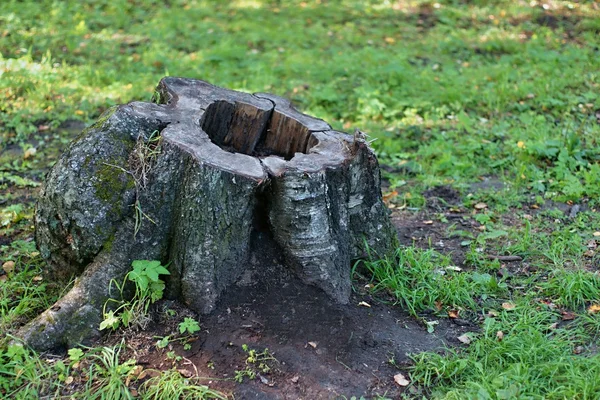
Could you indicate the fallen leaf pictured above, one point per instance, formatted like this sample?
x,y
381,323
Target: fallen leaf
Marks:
x,y
137,370
568,316
69,380
133,392
594,308
364,304
186,373
480,206
8,266
29,153
313,344
38,278
453,313
438,305
534,206
465,338
3,278
500,335
401,380
387,197
508,306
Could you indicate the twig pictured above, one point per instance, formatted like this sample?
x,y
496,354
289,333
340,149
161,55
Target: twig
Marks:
x,y
504,258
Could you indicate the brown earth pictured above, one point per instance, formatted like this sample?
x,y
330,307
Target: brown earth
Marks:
x,y
322,350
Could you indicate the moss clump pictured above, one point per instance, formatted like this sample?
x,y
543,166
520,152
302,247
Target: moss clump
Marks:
x,y
109,185
104,117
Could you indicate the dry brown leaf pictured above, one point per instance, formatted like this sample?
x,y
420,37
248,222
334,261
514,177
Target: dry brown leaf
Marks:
x,y
137,371
589,253
480,206
186,373
438,305
465,338
401,380
568,316
387,197
453,313
508,306
29,153
594,308
8,266
38,278
3,278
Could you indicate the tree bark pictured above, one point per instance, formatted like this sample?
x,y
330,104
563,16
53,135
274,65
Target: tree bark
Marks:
x,y
188,180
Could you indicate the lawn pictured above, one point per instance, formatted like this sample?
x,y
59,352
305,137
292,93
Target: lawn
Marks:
x,y
485,116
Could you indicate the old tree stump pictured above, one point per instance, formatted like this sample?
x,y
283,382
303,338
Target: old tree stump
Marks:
x,y
188,179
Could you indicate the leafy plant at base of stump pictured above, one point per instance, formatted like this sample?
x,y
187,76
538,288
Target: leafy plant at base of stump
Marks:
x,y
148,289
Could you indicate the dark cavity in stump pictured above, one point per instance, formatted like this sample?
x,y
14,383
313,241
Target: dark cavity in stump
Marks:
x,y
189,180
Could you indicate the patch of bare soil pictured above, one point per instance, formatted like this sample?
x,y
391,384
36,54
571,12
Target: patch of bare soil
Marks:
x,y
322,350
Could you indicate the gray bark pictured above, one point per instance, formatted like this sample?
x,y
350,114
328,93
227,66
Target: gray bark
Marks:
x,y
228,163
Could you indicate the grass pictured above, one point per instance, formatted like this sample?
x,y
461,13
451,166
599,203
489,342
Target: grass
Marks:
x,y
455,94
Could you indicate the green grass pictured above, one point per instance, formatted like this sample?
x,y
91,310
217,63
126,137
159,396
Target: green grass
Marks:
x,y
533,360
425,280
453,94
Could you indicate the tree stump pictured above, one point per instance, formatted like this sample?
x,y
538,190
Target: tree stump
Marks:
x,y
188,179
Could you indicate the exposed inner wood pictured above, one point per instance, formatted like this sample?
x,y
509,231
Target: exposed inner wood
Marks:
x,y
242,128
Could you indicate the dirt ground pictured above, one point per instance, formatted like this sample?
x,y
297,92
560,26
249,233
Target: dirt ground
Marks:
x,y
321,350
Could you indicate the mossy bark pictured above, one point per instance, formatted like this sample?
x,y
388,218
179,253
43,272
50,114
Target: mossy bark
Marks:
x,y
229,163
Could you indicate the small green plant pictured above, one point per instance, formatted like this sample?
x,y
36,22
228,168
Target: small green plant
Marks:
x,y
108,377
189,325
75,354
148,289
171,384
256,362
